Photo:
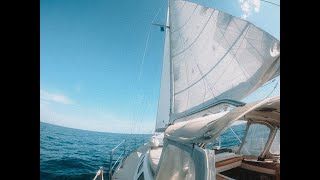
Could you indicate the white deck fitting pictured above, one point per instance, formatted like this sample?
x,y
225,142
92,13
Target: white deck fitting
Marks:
x,y
129,166
154,157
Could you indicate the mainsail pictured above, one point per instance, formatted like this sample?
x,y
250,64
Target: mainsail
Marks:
x,y
211,56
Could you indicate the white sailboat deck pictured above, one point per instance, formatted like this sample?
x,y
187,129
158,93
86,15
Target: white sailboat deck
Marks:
x,y
128,168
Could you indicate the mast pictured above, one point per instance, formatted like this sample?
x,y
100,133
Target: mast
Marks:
x,y
164,104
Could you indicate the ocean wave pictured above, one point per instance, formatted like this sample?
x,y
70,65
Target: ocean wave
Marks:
x,y
67,153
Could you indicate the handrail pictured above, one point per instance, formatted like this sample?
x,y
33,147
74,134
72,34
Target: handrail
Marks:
x,y
117,160
111,168
114,166
118,145
205,106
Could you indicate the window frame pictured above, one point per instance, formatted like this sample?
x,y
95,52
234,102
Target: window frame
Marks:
x,y
267,145
272,141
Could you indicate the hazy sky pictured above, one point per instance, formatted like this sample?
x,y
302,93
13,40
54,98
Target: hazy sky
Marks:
x,y
92,72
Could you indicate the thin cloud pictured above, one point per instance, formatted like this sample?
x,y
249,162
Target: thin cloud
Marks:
x,y
48,97
94,121
248,6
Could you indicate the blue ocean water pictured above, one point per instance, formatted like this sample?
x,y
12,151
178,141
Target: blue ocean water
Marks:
x,y
67,153
228,138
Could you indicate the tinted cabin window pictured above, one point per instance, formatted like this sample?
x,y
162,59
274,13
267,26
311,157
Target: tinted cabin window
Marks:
x,y
275,146
256,139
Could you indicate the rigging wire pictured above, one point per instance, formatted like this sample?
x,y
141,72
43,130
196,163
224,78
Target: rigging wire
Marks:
x,y
143,104
140,73
271,81
147,41
273,89
270,3
144,53
239,139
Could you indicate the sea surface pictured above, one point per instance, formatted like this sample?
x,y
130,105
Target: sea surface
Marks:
x,y
67,153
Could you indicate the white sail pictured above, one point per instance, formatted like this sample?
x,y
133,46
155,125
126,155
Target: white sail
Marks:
x,y
164,100
215,56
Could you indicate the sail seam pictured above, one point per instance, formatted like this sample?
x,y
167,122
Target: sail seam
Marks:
x,y
204,79
235,58
247,25
196,37
186,21
251,44
234,54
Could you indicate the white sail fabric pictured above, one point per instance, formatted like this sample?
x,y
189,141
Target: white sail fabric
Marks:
x,y
164,100
213,56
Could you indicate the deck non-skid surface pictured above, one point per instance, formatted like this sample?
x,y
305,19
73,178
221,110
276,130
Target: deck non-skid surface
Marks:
x,y
126,172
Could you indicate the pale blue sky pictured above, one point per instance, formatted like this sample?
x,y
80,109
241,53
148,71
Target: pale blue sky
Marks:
x,y
92,72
